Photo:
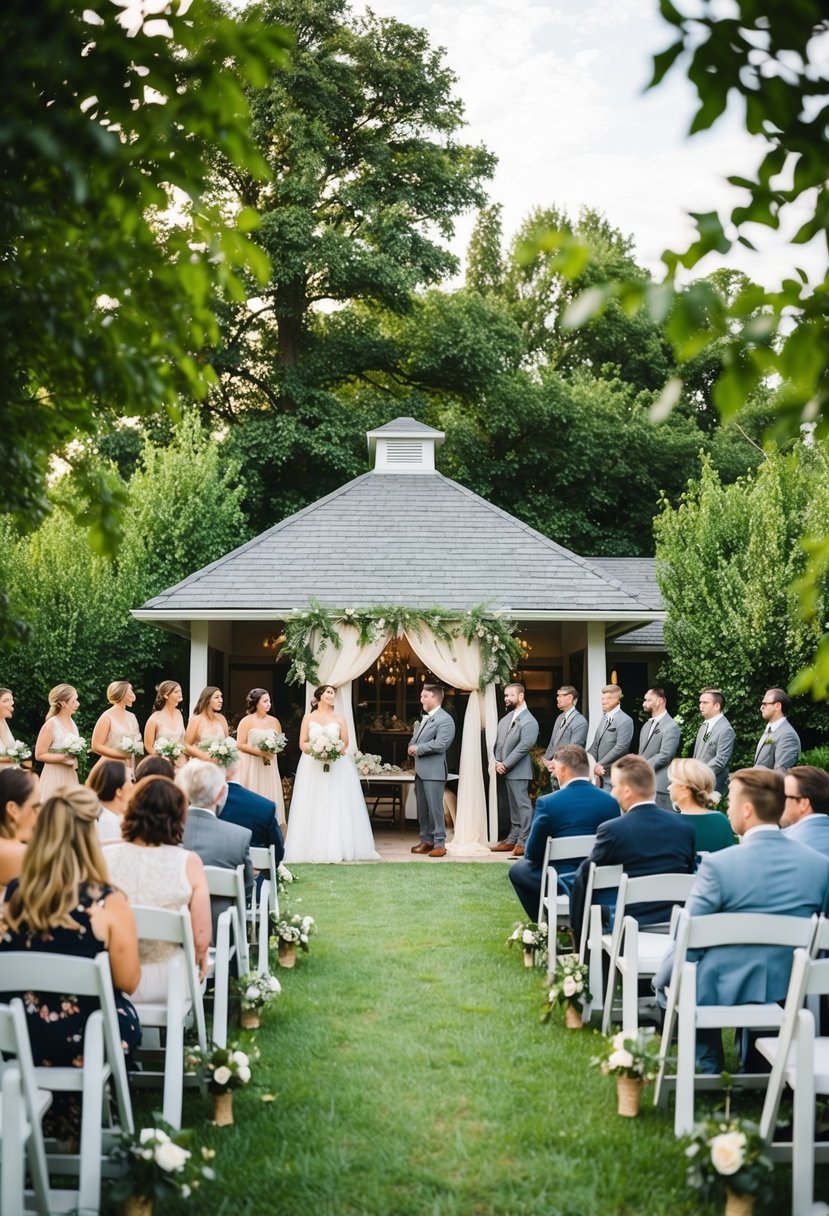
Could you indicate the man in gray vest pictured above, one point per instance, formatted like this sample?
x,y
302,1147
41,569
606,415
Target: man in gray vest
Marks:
x,y
659,742
430,742
517,733
779,745
715,738
569,727
613,735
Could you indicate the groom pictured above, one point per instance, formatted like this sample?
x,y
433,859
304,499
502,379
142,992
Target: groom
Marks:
x,y
431,740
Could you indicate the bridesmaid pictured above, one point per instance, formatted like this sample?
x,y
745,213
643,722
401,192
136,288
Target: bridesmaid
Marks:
x,y
259,770
207,722
166,722
6,712
59,727
116,722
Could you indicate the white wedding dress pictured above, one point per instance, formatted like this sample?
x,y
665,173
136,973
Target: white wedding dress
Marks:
x,y
328,819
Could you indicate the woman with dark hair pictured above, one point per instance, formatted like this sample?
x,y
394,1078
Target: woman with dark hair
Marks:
x,y
328,820
19,805
111,780
154,766
166,722
206,722
258,770
153,870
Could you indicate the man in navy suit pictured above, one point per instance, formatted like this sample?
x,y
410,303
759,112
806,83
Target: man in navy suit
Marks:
x,y
767,872
646,840
576,809
252,811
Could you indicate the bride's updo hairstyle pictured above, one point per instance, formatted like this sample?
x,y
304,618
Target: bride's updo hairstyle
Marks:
x,y
317,697
254,697
59,696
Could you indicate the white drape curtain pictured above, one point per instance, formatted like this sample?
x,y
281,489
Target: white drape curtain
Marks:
x,y
340,666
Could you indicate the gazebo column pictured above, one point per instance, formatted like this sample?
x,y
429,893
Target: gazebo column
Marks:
x,y
596,662
199,631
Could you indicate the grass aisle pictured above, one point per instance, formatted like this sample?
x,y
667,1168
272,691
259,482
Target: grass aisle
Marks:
x,y
412,1075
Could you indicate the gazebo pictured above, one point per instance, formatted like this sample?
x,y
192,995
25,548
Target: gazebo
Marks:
x,y
404,536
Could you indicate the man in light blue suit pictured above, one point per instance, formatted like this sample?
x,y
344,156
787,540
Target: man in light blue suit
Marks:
x,y
517,733
779,745
766,872
806,817
430,742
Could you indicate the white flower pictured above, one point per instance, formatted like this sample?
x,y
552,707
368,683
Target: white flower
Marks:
x,y
244,1075
239,1057
251,994
619,1040
171,1157
152,1133
528,937
569,986
728,1152
620,1059
146,1154
185,1191
222,1075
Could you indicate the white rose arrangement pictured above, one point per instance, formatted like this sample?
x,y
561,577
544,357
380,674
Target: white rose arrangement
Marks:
x,y
630,1054
727,1154
158,1163
223,751
272,744
76,746
569,985
131,745
171,749
325,749
16,751
257,989
533,939
227,1068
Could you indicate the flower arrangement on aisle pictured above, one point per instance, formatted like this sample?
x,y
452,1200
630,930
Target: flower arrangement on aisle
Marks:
x,y
284,878
272,743
157,1163
256,991
171,749
131,745
632,1057
569,988
533,939
369,765
223,751
227,1069
16,751
325,750
727,1158
290,933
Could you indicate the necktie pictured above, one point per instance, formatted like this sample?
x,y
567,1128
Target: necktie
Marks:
x,y
650,732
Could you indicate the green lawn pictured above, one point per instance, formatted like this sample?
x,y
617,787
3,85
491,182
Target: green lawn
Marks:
x,y
412,1075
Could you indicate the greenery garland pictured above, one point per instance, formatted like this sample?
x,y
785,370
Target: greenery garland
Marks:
x,y
500,651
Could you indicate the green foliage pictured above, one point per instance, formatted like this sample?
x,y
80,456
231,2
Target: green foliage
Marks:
x,y
727,557
818,756
105,300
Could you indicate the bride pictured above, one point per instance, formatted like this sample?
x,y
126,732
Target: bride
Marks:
x,y
328,820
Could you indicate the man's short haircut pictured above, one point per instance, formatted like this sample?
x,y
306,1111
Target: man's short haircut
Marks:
x,y
632,770
812,783
764,789
201,781
782,697
612,688
516,684
436,690
570,690
716,695
574,757
659,692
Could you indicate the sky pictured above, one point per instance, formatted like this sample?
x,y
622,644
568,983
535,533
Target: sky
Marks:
x,y
556,90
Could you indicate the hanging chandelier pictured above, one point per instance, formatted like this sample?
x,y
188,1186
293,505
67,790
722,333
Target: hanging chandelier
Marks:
x,y
393,664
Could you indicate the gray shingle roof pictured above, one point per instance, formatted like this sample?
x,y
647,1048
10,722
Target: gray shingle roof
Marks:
x,y
406,426
652,635
637,573
401,539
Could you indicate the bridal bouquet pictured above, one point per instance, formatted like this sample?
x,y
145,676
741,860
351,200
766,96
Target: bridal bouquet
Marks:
x,y
223,751
16,751
157,1165
131,745
325,750
272,743
170,748
74,747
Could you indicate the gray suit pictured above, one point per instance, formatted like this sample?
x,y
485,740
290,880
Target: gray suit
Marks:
x,y
570,728
611,741
433,737
659,746
813,831
516,735
715,751
783,750
221,844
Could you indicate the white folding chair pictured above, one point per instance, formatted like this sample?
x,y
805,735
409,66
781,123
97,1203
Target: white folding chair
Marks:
x,y
263,902
104,1067
22,1108
554,908
599,878
231,941
705,933
183,1006
633,952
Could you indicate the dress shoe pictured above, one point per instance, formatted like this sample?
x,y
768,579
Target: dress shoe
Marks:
x,y
518,851
425,846
438,851
503,846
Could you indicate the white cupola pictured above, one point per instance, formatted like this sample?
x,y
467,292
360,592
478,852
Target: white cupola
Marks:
x,y
404,446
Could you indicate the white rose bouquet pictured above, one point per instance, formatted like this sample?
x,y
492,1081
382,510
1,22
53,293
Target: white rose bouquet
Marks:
x,y
257,989
171,749
16,751
226,1067
367,764
157,1164
569,985
628,1054
75,746
728,1155
223,751
272,743
131,745
326,750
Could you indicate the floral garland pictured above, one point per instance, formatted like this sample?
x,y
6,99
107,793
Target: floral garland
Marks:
x,y
500,651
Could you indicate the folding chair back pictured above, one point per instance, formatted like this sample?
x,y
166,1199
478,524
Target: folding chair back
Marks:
x,y
23,1107
230,884
265,900
264,859
599,878
561,848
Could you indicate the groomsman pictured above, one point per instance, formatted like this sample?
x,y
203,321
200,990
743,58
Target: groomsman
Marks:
x,y
517,733
779,745
659,742
432,739
569,727
613,735
715,738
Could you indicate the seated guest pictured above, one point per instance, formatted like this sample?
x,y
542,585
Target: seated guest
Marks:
x,y
692,792
19,805
64,903
806,814
155,766
218,844
767,872
645,840
576,809
252,811
153,871
111,781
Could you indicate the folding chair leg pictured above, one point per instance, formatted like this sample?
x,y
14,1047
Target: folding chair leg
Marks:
x,y
263,962
803,1125
685,1059
89,1181
174,1049
12,1176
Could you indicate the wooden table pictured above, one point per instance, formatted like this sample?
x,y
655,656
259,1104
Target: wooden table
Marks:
x,y
396,782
